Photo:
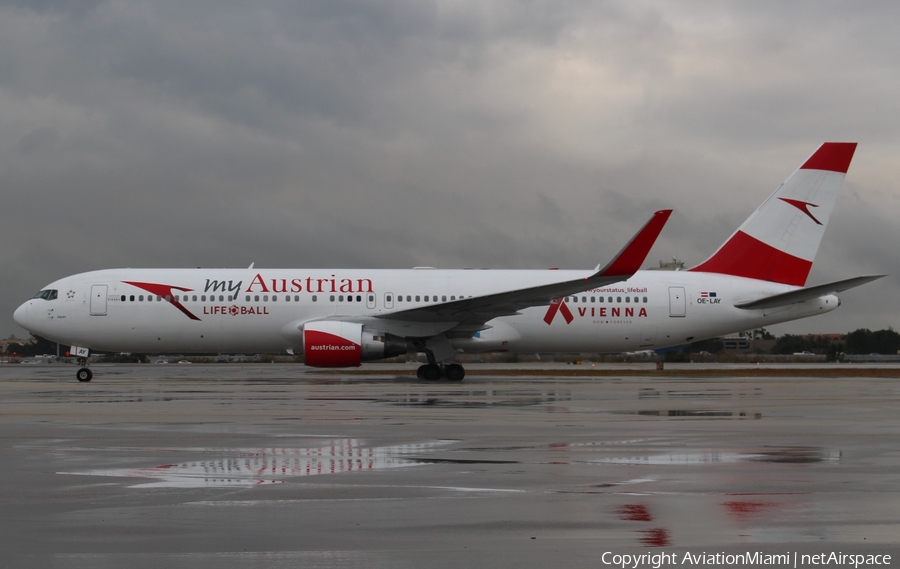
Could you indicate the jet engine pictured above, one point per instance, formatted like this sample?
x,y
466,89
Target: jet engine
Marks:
x,y
334,343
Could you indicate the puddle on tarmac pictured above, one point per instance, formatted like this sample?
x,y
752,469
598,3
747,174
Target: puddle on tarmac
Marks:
x,y
481,398
699,413
783,455
253,467
650,537
717,393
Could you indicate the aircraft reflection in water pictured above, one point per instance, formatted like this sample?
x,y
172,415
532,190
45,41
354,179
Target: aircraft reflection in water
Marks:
x,y
251,467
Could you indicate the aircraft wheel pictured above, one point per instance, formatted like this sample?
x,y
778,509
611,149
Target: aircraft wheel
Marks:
x,y
455,372
431,372
84,375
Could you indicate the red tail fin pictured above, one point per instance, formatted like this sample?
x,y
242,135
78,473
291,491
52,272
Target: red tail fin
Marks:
x,y
779,241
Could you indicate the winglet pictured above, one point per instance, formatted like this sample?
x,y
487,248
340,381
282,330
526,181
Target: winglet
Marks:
x,y
831,157
632,256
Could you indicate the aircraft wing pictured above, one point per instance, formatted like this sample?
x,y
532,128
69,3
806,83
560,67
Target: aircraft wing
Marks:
x,y
809,293
478,310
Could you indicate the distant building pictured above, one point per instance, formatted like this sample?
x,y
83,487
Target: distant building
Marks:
x,y
673,265
750,341
13,340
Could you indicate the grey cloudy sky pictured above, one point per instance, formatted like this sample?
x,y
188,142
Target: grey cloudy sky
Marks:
x,y
398,133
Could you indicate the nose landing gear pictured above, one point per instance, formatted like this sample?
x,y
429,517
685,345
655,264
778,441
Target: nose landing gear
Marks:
x,y
84,375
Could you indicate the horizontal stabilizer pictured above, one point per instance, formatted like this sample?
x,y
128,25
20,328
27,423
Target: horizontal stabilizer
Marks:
x,y
803,294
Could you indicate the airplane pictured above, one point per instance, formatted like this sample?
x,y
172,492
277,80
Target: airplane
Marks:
x,y
343,317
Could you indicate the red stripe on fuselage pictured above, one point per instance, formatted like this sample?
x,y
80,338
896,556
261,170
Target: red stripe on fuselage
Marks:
x,y
745,256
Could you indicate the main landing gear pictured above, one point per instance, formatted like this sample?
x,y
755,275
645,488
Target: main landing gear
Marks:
x,y
434,372
84,374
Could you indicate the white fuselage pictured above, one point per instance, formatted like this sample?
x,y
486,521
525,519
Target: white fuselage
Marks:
x,y
264,310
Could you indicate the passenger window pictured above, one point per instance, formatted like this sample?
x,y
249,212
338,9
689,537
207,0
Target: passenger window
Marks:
x,y
387,298
340,298
203,298
645,300
331,298
315,298
265,298
132,298
627,299
417,298
619,299
274,298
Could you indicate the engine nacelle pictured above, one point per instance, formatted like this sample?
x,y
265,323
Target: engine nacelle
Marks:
x,y
333,343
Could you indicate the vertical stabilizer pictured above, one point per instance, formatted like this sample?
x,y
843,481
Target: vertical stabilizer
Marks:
x,y
779,241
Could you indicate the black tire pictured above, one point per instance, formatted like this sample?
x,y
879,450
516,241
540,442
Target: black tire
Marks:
x,y
455,372
431,372
84,375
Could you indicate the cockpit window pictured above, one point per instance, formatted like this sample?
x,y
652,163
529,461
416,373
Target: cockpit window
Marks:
x,y
49,294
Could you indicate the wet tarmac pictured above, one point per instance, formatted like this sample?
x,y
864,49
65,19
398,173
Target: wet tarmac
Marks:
x,y
282,466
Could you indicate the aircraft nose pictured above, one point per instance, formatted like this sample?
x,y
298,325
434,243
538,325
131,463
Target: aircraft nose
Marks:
x,y
21,316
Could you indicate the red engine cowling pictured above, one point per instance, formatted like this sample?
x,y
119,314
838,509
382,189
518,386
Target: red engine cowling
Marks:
x,y
332,344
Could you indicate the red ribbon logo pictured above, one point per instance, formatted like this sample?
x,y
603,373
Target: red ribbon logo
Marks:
x,y
165,291
558,305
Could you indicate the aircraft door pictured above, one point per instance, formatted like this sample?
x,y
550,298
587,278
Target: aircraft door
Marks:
x,y
370,300
677,302
98,300
389,300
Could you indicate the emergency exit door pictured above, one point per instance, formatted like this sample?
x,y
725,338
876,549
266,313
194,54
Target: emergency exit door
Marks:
x,y
677,302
